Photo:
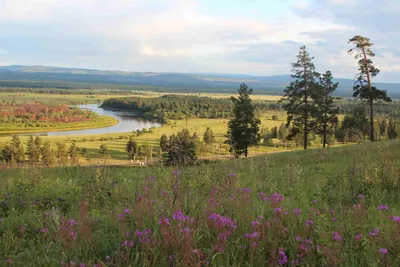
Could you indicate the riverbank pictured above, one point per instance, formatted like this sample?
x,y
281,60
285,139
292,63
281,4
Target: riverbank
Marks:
x,y
98,122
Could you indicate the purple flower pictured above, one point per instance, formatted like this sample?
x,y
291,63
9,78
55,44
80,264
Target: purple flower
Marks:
x,y
131,244
383,251
295,262
246,190
358,236
196,251
185,230
314,201
222,221
337,237
178,216
232,174
255,223
297,211
375,232
383,207
298,238
396,219
121,216
275,199
8,261
165,221
108,258
282,258
72,222
171,258
278,210
309,223
251,235
72,235
82,265
144,236
176,173
127,211
361,196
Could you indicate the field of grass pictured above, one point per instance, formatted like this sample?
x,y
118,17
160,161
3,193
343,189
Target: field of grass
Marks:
x,y
331,207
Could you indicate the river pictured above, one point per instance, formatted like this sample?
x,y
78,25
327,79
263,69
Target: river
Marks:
x,y
128,122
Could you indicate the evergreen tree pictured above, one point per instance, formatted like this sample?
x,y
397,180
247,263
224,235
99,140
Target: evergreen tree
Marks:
x,y
181,148
31,150
208,136
299,96
356,123
38,149
325,112
62,154
16,149
363,88
73,153
132,148
163,143
48,155
283,132
243,128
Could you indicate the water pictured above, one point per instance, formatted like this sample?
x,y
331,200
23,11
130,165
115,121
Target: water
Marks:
x,y
128,122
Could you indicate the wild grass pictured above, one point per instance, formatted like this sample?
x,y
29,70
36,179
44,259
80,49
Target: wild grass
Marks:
x,y
331,207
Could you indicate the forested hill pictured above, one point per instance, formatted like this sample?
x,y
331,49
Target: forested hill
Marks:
x,y
41,76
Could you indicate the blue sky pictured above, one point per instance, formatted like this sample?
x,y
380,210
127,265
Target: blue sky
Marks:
x,y
258,37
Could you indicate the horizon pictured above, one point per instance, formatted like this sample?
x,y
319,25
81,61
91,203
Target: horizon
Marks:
x,y
257,38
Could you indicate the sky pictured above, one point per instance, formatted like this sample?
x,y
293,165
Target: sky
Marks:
x,y
256,37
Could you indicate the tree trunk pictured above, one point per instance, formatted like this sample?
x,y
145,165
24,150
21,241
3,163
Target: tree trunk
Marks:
x,y
305,118
371,114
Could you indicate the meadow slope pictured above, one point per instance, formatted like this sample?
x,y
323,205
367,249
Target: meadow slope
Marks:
x,y
322,207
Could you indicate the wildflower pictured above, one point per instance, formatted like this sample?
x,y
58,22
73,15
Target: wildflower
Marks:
x,y
383,251
357,206
44,230
297,211
125,243
246,190
285,230
361,196
337,237
127,234
72,235
144,237
255,223
282,258
263,196
309,223
275,198
131,244
375,232
72,263
176,173
278,210
108,258
314,201
295,262
8,261
222,221
121,216
383,207
165,221
232,174
185,230
127,211
396,219
72,222
82,265
358,236
196,251
178,216
171,258
21,229
298,238
252,235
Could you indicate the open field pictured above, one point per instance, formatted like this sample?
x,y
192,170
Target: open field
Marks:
x,y
331,207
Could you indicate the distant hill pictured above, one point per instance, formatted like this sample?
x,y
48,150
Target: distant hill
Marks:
x,y
44,76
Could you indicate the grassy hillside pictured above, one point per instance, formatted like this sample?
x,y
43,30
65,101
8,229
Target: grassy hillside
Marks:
x,y
333,207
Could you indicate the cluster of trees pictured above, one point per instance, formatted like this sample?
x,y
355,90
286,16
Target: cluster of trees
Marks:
x,y
309,102
40,114
180,107
88,92
39,152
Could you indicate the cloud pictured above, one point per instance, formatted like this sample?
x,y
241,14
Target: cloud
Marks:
x,y
184,36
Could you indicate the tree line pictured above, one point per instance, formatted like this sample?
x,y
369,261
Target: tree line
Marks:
x,y
175,107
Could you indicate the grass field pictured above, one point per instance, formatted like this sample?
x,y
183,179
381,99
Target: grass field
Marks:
x,y
331,207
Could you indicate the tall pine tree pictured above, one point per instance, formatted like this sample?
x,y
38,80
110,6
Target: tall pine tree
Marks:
x,y
243,128
299,96
325,111
363,88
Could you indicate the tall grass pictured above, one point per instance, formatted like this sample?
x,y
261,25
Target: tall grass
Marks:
x,y
333,207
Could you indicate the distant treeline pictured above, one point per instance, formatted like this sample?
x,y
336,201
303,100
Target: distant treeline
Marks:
x,y
70,91
181,107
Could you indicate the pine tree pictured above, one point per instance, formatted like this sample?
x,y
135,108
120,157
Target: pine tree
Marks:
x,y
38,148
62,154
73,153
132,148
298,96
182,148
243,128
363,88
48,155
325,111
16,149
208,136
31,150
